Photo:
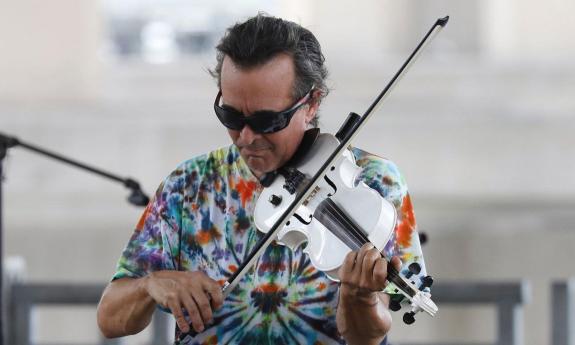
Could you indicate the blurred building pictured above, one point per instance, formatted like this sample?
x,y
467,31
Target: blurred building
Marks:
x,y
481,128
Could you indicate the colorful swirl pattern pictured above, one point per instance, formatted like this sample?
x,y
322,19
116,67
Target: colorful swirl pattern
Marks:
x,y
201,220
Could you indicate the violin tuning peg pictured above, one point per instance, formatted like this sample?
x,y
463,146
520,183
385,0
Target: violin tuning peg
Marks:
x,y
395,304
409,318
275,199
414,268
422,238
426,282
293,179
268,178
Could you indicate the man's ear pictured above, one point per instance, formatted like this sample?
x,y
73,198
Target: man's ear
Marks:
x,y
313,105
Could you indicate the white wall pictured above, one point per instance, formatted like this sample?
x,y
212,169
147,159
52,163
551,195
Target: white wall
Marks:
x,y
481,127
49,50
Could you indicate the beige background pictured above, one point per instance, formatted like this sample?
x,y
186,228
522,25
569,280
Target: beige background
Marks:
x,y
481,127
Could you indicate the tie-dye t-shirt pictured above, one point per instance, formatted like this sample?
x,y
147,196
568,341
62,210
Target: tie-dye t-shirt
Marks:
x,y
201,219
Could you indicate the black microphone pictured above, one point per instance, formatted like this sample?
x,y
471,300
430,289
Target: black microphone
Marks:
x,y
137,197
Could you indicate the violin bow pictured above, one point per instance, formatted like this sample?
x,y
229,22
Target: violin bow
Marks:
x,y
271,235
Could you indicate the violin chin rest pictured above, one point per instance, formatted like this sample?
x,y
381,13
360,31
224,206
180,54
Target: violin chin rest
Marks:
x,y
293,239
332,275
309,138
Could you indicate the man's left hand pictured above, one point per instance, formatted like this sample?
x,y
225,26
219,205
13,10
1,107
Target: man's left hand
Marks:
x,y
362,313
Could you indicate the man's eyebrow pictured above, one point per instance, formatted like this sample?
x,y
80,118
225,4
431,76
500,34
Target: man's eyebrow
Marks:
x,y
229,107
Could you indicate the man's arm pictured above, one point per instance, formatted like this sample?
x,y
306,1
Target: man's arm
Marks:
x,y
125,308
127,304
363,316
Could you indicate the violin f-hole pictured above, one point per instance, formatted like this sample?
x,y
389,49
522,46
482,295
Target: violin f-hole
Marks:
x,y
330,182
298,217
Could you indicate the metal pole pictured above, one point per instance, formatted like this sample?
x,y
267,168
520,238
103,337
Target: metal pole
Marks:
x,y
510,322
137,197
3,149
562,312
160,322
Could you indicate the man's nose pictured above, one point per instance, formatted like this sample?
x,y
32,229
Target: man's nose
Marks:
x,y
247,135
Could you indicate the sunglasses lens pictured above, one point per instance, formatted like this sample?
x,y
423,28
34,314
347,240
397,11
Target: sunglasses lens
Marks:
x,y
229,118
268,122
262,122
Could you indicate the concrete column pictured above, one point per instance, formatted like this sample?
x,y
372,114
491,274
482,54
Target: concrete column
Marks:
x,y
369,30
49,49
518,30
348,30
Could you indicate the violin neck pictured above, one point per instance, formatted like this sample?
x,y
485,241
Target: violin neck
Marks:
x,y
347,231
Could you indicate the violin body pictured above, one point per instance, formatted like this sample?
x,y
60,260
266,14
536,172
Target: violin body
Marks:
x,y
339,215
373,214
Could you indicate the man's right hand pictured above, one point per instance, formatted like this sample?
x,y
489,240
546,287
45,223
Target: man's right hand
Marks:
x,y
191,293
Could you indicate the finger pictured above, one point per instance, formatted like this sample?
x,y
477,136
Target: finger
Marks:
x,y
215,292
360,256
346,269
380,274
366,280
396,262
193,312
203,303
363,250
176,310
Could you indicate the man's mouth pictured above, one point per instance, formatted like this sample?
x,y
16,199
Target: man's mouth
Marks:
x,y
254,149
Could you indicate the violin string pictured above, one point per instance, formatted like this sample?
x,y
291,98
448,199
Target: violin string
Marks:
x,y
335,225
336,212
343,222
346,223
322,214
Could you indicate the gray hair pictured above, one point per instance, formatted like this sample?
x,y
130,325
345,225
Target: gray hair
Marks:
x,y
260,38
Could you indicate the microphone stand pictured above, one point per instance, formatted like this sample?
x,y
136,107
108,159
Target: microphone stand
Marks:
x,y
137,197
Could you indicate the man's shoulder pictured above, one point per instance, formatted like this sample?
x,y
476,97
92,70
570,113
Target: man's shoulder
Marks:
x,y
367,160
189,173
380,173
218,160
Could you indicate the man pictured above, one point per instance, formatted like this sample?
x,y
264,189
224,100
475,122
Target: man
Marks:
x,y
199,227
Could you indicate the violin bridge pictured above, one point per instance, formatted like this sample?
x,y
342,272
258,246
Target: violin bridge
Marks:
x,y
311,195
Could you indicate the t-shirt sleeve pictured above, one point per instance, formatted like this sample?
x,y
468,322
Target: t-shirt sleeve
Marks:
x,y
384,176
154,244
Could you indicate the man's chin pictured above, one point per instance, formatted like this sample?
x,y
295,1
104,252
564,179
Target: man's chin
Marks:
x,y
259,165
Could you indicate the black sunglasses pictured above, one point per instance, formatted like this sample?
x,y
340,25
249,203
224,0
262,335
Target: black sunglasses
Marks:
x,y
263,121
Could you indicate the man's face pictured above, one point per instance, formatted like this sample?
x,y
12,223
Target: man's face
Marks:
x,y
266,87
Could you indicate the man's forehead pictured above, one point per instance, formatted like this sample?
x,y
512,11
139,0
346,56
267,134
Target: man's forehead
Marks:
x,y
277,74
279,60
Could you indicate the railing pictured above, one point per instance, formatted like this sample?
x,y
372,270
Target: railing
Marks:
x,y
507,298
23,297
563,312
